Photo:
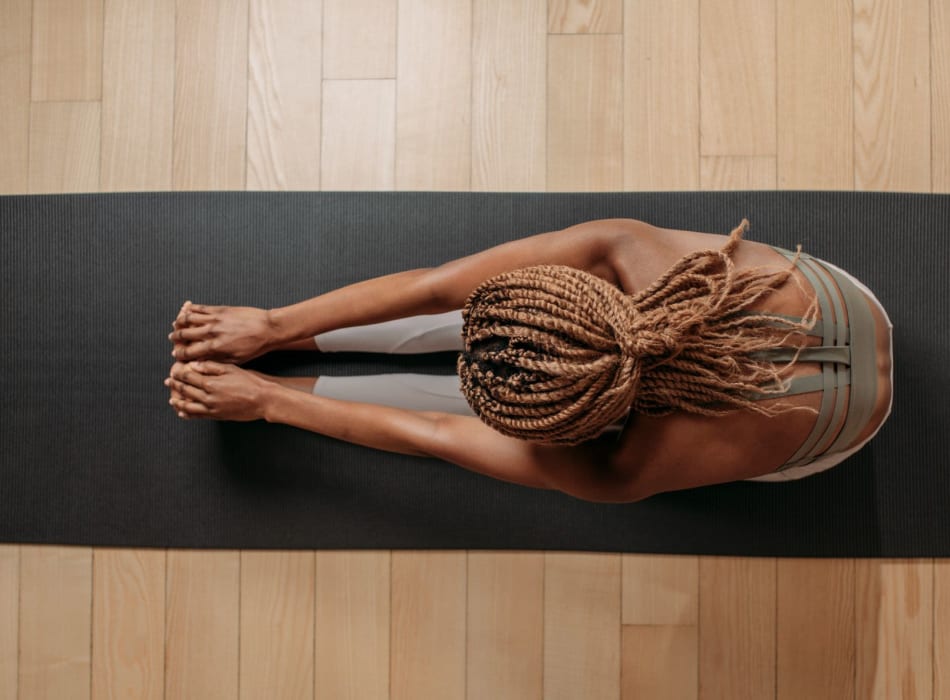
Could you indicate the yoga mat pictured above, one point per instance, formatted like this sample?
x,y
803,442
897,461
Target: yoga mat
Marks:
x,y
92,454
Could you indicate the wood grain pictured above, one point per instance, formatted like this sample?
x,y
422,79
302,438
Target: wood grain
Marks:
x,y
941,650
433,112
894,617
505,657
284,93
815,629
585,16
201,627
660,589
509,51
67,50
277,625
660,662
359,39
359,135
940,95
353,604
128,625
55,622
9,618
815,95
737,78
585,113
736,628
64,147
15,70
737,173
210,94
582,637
138,90
891,95
428,625
661,95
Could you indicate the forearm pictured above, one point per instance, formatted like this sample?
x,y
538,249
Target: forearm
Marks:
x,y
369,425
372,301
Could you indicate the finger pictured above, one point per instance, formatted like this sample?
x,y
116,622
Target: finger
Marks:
x,y
188,391
192,352
191,408
210,367
190,333
187,374
190,318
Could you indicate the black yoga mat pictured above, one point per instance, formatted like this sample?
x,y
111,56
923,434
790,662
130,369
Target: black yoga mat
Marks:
x,y
92,453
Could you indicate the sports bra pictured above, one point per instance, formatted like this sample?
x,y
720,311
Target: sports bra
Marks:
x,y
847,356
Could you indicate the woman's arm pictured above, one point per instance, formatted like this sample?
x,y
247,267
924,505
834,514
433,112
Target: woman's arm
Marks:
x,y
581,471
587,246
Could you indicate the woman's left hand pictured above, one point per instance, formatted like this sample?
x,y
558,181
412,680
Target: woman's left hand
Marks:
x,y
208,389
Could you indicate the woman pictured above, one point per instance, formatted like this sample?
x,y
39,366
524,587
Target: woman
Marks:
x,y
612,360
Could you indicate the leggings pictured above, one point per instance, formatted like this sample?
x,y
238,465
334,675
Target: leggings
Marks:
x,y
418,392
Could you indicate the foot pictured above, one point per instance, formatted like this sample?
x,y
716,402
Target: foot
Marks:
x,y
181,393
216,390
223,333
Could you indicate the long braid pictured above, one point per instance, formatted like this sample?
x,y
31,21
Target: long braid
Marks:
x,y
554,354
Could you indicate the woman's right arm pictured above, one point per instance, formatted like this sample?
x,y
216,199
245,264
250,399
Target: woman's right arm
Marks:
x,y
587,246
236,334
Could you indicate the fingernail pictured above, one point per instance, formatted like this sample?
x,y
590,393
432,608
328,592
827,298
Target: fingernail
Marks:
x,y
167,382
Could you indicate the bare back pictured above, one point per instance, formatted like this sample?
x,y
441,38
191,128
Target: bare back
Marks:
x,y
685,450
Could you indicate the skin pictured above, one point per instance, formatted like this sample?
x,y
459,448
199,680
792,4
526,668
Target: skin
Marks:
x,y
652,455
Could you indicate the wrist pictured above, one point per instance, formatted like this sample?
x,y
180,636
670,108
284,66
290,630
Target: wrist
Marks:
x,y
270,404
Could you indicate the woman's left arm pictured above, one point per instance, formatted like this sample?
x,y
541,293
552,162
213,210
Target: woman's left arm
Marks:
x,y
225,392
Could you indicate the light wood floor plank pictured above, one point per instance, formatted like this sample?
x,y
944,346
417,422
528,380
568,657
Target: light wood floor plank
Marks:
x,y
128,625
941,650
661,95
277,625
660,589
353,625
359,135
428,625
67,50
15,70
736,628
138,89
582,637
284,92
509,51
660,662
815,629
891,95
894,617
359,39
737,78
585,16
201,628
9,618
55,622
585,113
815,95
737,173
64,147
210,94
940,94
434,93
505,625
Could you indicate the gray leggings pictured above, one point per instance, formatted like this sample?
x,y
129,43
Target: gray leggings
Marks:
x,y
416,334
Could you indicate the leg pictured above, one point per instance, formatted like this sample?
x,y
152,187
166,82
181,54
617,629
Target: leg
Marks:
x,y
417,392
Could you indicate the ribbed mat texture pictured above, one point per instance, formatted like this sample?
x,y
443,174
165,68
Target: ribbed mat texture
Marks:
x,y
92,454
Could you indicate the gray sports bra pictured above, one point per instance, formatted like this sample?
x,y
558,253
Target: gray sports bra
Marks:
x,y
847,356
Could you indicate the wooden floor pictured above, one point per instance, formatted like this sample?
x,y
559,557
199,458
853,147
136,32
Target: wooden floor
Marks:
x,y
104,95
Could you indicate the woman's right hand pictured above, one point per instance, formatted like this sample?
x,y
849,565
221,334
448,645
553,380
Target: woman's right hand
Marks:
x,y
223,333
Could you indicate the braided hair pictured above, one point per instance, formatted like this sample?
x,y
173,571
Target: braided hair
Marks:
x,y
554,354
